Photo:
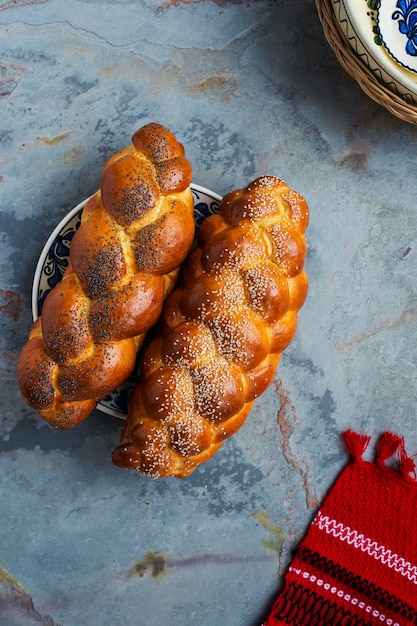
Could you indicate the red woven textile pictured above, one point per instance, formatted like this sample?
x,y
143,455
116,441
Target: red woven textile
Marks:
x,y
357,564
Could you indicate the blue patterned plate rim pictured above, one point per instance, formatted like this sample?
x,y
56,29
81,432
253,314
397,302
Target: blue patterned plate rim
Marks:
x,y
53,261
359,20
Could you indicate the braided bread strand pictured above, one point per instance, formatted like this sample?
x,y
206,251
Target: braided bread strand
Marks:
x,y
136,230
223,331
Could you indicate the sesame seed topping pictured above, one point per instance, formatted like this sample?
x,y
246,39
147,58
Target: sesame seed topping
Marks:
x,y
223,326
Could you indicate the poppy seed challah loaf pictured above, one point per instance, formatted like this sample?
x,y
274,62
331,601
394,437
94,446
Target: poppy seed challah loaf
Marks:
x,y
135,232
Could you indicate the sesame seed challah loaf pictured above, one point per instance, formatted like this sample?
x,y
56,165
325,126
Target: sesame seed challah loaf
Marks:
x,y
136,230
223,331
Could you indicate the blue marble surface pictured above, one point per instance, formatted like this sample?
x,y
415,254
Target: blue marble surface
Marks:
x,y
250,88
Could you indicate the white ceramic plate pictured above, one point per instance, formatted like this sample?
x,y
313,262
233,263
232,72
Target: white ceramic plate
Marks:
x,y
368,25
53,262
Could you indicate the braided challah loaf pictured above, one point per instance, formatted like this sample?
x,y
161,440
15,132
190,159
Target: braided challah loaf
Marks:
x,y
222,331
135,232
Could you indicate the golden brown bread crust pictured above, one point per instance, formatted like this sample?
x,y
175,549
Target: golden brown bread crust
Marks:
x,y
223,331
136,230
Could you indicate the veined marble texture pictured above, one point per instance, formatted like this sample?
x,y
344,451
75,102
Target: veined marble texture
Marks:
x,y
250,88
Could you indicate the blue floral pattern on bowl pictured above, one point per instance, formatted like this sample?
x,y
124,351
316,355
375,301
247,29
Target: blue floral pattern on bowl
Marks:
x,y
57,257
407,23
53,262
397,26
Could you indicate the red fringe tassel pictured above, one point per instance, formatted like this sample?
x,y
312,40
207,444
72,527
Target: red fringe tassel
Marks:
x,y
355,443
407,463
387,446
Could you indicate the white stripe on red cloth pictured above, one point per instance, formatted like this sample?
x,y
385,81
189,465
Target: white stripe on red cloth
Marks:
x,y
366,545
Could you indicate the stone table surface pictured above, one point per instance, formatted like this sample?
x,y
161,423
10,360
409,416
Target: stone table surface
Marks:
x,y
250,88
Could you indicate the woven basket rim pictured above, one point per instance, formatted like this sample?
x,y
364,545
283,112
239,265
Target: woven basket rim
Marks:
x,y
353,65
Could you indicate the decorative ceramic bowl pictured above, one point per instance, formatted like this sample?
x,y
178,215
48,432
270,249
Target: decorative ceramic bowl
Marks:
x,y
53,262
383,34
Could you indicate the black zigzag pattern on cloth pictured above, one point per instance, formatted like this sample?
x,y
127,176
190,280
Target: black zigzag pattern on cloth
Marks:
x,y
378,596
298,606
